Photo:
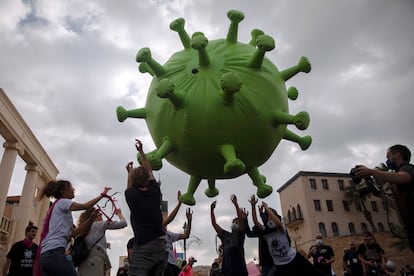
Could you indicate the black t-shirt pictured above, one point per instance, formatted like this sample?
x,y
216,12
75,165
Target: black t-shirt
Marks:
x,y
352,262
146,217
233,253
371,252
22,259
322,253
404,195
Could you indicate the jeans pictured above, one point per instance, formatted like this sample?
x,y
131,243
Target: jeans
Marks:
x,y
148,259
55,263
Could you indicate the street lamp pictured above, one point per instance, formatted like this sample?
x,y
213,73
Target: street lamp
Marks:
x,y
185,247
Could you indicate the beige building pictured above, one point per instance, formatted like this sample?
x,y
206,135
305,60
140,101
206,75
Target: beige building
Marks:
x,y
19,211
314,202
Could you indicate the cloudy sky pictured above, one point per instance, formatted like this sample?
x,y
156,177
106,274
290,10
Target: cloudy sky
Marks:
x,y
67,65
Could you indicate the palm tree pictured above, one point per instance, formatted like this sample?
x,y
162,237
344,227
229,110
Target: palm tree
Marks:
x,y
353,197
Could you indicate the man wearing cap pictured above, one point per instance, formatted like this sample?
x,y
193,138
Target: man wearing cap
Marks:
x,y
322,256
188,268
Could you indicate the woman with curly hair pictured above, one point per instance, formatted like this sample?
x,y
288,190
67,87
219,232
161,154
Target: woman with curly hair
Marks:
x,y
97,262
58,228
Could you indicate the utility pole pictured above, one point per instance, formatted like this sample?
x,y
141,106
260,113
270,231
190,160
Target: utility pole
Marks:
x,y
185,246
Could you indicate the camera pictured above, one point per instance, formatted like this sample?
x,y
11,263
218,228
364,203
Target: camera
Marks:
x,y
368,186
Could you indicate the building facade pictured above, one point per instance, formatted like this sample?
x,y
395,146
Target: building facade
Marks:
x,y
17,212
315,202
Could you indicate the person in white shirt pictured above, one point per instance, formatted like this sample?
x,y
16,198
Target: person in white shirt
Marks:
x,y
286,260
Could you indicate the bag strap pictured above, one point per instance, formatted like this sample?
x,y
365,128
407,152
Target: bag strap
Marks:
x,y
100,238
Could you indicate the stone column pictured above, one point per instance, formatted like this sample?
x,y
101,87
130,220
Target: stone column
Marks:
x,y
42,206
7,164
25,212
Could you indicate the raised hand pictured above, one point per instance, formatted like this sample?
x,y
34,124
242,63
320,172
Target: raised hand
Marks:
x,y
261,209
245,213
138,145
253,200
129,166
189,214
233,198
213,205
105,192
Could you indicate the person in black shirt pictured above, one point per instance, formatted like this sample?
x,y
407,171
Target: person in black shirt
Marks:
x,y
400,175
371,255
352,264
21,256
234,262
322,256
143,196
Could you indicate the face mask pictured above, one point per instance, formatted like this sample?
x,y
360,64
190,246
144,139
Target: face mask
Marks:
x,y
234,227
391,165
271,224
319,242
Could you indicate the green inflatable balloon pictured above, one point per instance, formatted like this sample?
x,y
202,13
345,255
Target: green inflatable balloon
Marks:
x,y
218,109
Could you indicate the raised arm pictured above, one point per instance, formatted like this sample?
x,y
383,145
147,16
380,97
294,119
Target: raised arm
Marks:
x,y
398,178
213,219
145,163
174,212
121,223
76,206
186,234
253,202
247,229
238,211
129,167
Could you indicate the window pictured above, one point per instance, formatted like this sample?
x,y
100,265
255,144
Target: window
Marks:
x,y
329,205
380,227
325,185
317,204
341,184
312,183
299,212
346,205
351,228
364,227
289,216
359,206
374,206
384,206
294,213
335,229
322,229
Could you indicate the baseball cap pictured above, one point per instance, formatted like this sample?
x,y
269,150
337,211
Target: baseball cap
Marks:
x,y
192,259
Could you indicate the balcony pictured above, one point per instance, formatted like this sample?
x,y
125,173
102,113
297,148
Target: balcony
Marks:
x,y
5,225
291,222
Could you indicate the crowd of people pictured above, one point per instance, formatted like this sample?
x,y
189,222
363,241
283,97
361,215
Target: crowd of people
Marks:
x,y
150,251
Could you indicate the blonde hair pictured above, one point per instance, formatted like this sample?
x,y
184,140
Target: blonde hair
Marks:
x,y
84,216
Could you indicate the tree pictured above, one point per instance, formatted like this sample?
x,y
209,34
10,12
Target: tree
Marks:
x,y
353,197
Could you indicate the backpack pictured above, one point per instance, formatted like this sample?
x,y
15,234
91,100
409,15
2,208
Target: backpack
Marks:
x,y
79,250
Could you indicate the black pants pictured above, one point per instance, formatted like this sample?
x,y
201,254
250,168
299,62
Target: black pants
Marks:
x,y
171,270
